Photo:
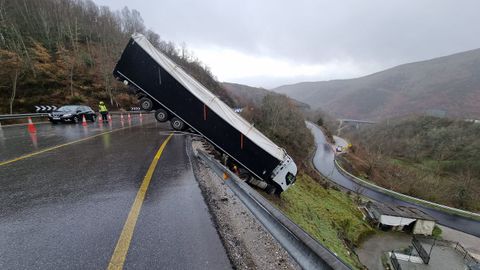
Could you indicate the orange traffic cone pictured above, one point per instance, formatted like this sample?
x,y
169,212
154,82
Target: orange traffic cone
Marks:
x,y
129,117
225,176
84,121
31,126
109,118
121,117
100,119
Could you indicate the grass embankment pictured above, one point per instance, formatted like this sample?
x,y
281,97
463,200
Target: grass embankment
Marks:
x,y
328,215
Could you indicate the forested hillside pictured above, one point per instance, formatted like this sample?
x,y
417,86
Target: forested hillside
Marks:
x,y
63,51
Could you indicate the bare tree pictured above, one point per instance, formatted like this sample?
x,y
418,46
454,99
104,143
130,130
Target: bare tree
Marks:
x,y
12,68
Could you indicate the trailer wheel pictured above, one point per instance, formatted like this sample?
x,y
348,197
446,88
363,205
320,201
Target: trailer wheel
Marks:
x,y
161,115
146,104
177,124
270,189
277,189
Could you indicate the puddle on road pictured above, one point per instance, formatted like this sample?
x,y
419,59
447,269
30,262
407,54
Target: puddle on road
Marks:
x,y
33,137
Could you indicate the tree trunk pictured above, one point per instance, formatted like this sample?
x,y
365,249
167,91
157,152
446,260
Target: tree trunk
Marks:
x,y
71,79
14,90
108,89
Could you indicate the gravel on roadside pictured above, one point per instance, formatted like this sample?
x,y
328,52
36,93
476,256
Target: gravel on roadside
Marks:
x,y
248,244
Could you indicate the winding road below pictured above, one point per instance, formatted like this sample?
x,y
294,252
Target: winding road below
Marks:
x,y
324,163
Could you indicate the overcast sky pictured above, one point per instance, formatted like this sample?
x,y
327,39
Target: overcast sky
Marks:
x,y
271,42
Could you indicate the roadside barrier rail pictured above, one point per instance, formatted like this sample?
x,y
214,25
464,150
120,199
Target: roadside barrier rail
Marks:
x,y
21,116
305,250
36,115
408,198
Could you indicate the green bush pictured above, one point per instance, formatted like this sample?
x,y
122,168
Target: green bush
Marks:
x,y
437,232
320,121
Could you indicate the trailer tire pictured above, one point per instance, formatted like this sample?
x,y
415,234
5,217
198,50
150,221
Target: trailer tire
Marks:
x,y
277,189
273,189
177,124
270,189
146,104
161,115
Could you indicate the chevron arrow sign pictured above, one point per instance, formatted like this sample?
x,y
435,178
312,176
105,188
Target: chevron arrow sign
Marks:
x,y
44,108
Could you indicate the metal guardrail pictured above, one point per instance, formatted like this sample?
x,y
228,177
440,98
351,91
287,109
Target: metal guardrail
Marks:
x,y
21,116
408,198
306,251
36,115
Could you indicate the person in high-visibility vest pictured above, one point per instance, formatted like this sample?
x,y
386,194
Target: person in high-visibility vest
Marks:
x,y
103,111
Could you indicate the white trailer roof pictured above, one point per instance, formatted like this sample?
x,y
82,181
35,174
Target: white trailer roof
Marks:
x,y
212,101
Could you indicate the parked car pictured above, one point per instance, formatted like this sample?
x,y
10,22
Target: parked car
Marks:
x,y
72,114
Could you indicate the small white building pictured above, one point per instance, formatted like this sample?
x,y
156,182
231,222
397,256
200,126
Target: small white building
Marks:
x,y
399,218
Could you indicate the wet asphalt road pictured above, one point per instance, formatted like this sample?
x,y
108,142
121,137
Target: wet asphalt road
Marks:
x,y
324,163
66,208
16,141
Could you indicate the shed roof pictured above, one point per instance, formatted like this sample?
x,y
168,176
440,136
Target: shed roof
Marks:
x,y
398,211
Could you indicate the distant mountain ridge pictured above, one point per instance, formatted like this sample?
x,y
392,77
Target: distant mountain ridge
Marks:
x,y
243,94
450,83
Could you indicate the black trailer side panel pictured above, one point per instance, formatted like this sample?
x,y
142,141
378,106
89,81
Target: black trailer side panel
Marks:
x,y
138,67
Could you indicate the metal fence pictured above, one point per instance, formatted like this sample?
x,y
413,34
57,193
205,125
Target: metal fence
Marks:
x,y
421,251
469,259
394,261
466,256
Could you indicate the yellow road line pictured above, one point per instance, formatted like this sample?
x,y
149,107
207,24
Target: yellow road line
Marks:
x,y
121,249
56,147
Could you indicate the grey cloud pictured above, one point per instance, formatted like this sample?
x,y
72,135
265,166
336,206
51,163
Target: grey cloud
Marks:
x,y
384,32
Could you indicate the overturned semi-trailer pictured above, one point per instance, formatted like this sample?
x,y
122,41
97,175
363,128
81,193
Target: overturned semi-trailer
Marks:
x,y
177,97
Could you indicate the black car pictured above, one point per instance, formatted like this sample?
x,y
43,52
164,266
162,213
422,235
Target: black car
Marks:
x,y
72,114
